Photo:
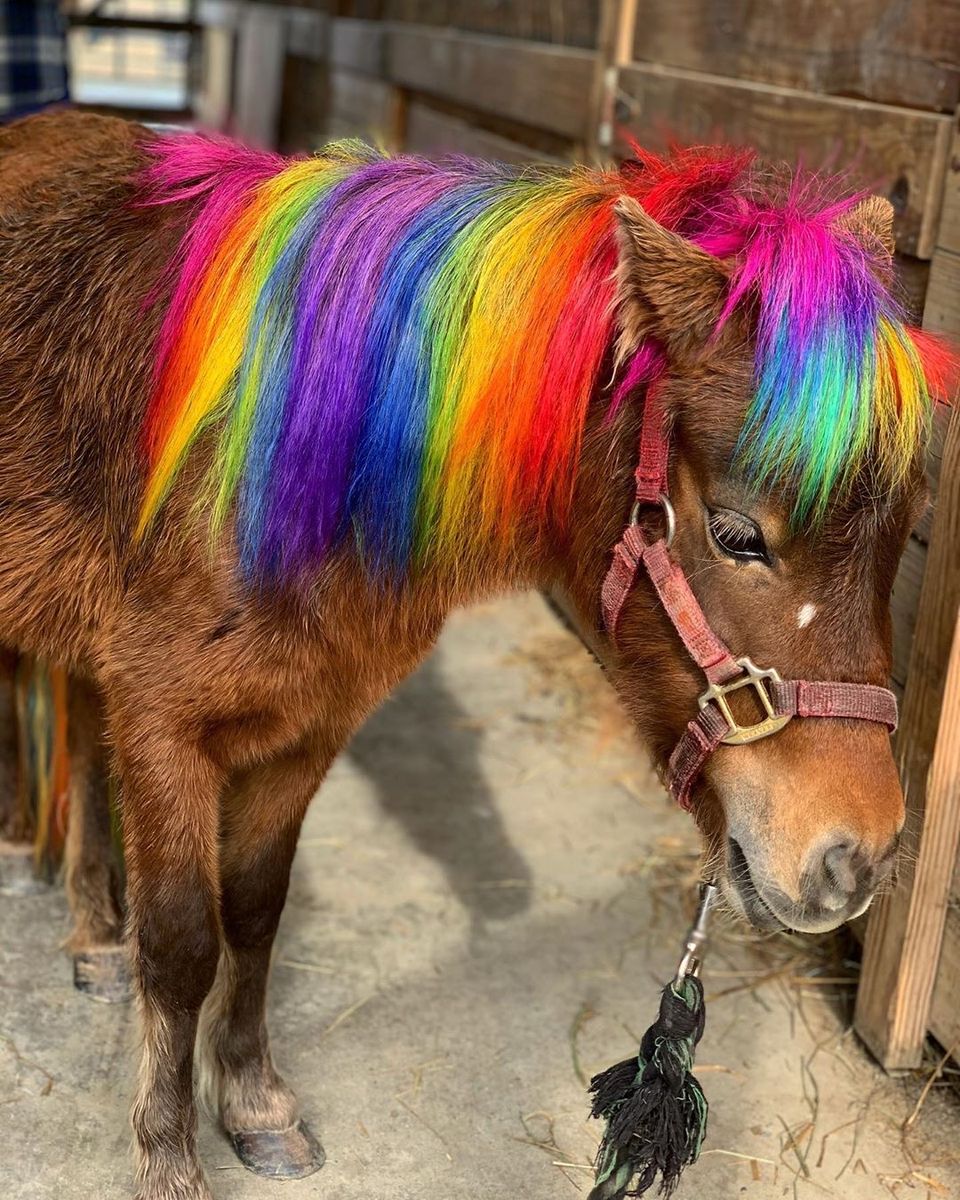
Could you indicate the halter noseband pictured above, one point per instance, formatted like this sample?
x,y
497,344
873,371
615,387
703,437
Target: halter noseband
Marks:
x,y
715,725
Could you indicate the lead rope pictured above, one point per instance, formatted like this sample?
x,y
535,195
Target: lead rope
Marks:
x,y
654,1108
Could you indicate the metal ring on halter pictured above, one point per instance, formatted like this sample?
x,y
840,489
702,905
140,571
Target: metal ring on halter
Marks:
x,y
664,501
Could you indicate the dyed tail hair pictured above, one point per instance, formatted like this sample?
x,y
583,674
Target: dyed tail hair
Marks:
x,y
43,794
403,353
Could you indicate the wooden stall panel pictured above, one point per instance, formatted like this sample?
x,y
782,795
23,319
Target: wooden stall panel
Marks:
x,y
562,22
541,86
432,131
304,114
358,46
360,106
903,607
897,150
905,53
944,1009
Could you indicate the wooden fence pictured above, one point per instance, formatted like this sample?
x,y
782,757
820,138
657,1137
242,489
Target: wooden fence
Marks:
x,y
869,84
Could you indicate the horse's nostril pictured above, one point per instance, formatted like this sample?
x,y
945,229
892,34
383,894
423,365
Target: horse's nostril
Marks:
x,y
840,868
844,874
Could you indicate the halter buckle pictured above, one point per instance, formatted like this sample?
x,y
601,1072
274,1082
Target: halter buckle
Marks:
x,y
755,677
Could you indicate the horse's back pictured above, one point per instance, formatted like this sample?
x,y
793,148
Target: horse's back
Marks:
x,y
78,260
52,148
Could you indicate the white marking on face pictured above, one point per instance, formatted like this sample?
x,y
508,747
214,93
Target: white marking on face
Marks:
x,y
805,615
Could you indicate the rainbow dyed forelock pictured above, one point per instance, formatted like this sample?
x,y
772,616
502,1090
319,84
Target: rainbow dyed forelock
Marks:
x,y
841,381
401,354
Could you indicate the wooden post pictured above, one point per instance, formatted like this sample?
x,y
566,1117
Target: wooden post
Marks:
x,y
902,947
261,52
614,48
904,936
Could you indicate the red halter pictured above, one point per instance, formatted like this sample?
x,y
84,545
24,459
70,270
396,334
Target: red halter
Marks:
x,y
781,699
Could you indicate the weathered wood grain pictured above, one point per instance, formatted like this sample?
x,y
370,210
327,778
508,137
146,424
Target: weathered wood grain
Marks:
x,y
358,46
949,233
906,53
943,293
562,22
359,107
941,315
900,151
545,86
432,131
903,939
903,606
260,54
304,113
913,276
944,1007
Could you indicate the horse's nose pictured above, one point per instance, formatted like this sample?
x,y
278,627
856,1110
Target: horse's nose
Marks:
x,y
844,873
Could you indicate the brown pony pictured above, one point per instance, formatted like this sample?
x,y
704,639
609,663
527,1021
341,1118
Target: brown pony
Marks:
x,y
219,702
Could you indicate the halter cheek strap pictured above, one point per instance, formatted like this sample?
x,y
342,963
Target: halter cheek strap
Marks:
x,y
715,724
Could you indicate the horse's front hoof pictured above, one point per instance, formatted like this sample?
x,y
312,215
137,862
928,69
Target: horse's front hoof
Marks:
x,y
279,1154
17,873
103,974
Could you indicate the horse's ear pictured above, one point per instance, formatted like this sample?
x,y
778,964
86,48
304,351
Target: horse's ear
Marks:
x,y
666,286
871,221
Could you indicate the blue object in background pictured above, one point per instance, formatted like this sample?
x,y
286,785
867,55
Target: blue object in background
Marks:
x,y
33,56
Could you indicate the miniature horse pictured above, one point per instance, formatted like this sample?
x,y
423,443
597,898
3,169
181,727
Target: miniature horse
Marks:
x,y
264,422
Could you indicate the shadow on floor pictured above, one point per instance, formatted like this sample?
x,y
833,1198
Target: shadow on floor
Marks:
x,y
422,753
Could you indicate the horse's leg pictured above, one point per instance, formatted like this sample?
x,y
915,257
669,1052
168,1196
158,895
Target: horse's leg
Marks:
x,y
261,821
16,825
170,793
92,873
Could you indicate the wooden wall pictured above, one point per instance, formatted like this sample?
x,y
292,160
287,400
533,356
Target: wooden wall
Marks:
x,y
502,78
870,86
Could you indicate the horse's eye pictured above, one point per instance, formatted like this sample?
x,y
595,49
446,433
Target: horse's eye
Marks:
x,y
737,536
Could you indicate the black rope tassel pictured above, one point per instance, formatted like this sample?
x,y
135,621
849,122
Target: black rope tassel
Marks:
x,y
654,1108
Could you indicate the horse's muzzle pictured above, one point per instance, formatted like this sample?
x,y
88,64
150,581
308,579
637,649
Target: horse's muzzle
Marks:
x,y
836,885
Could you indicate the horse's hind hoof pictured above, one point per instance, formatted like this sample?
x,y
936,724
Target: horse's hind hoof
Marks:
x,y
279,1154
103,974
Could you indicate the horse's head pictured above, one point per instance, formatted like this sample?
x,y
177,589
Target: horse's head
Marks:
x,y
792,511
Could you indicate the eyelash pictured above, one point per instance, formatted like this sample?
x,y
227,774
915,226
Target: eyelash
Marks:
x,y
737,536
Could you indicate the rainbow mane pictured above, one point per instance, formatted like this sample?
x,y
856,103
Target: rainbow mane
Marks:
x,y
402,353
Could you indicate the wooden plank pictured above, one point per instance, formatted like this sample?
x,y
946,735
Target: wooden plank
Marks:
x,y
904,604
214,102
617,22
912,276
903,938
944,1009
359,107
543,86
938,434
358,46
561,22
308,34
942,310
258,84
907,53
901,151
431,131
304,109
949,234
344,42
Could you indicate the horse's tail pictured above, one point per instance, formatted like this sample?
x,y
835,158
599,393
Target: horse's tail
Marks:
x,y
43,776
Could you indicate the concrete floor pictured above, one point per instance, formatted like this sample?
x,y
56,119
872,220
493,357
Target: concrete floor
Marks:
x,y
486,897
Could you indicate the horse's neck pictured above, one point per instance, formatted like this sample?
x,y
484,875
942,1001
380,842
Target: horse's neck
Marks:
x,y
569,552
